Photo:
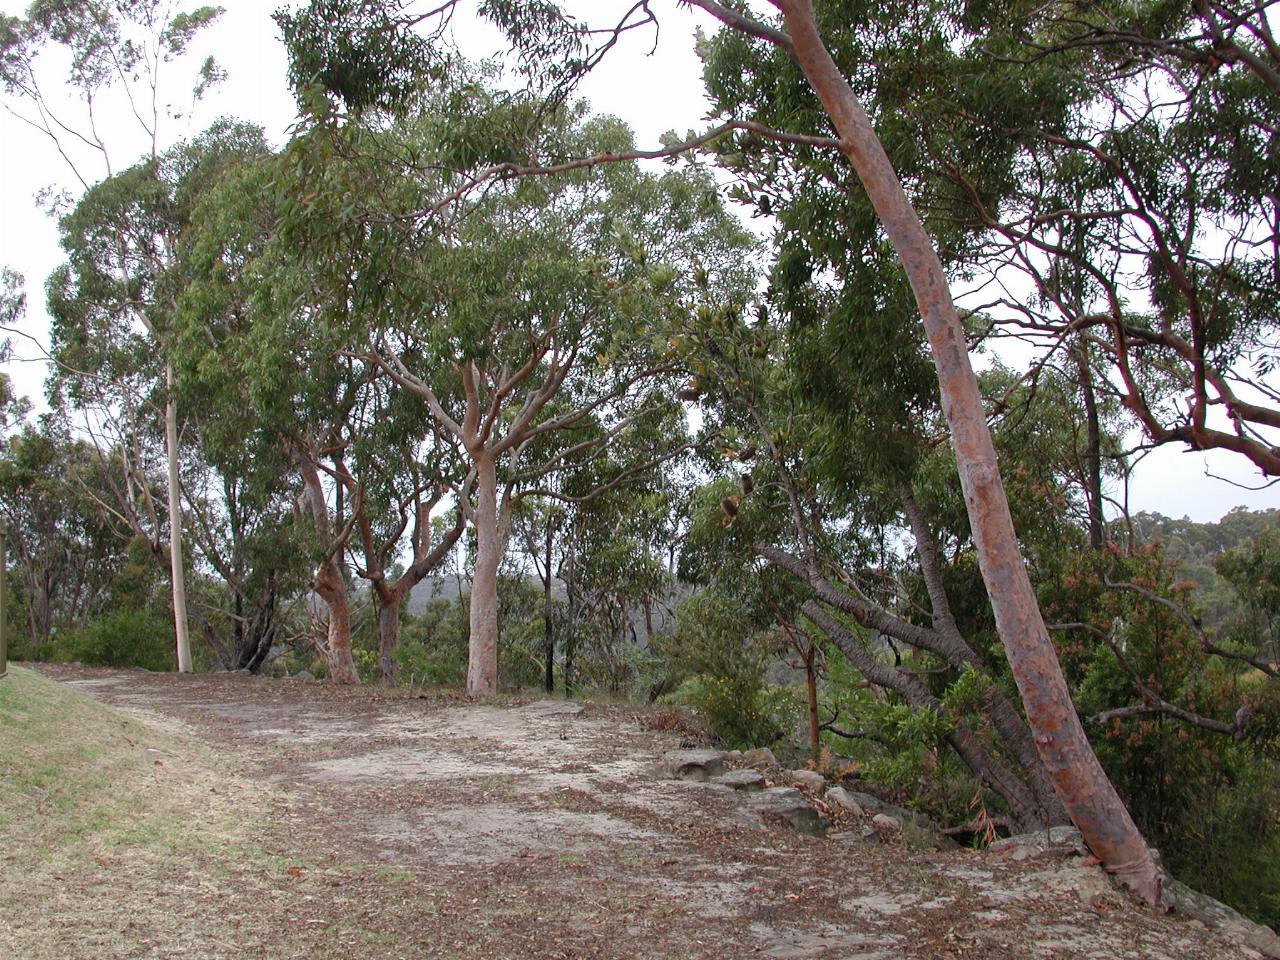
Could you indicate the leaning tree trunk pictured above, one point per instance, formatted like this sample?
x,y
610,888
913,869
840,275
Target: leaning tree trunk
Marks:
x,y
1089,797
175,527
1003,715
1023,806
482,659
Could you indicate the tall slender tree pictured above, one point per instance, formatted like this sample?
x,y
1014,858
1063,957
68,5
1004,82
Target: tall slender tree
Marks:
x,y
120,52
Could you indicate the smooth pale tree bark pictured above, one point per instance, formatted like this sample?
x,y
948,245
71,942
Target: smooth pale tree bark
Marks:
x,y
139,40
1088,795
328,581
548,614
492,523
481,435
499,420
175,527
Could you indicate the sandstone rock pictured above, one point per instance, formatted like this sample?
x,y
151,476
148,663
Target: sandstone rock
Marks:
x,y
553,708
1182,899
741,779
781,795
920,831
887,825
699,765
786,805
840,797
760,757
1055,840
809,779
873,804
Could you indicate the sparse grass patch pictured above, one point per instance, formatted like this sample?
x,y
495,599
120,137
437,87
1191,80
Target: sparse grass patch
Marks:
x,y
120,836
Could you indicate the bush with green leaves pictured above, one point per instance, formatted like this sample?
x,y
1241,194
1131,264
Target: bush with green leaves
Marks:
x,y
433,645
721,662
122,638
896,746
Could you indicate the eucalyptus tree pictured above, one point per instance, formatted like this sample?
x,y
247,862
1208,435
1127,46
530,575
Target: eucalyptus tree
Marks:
x,y
536,310
351,48
396,480
283,285
274,395
65,551
120,56
112,304
817,495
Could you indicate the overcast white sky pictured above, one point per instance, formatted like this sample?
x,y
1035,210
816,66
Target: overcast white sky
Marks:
x,y
654,93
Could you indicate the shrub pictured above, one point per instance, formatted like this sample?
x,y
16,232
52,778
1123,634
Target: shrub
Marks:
x,y
433,645
719,661
121,638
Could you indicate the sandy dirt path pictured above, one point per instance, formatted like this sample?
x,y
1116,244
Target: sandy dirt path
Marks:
x,y
543,830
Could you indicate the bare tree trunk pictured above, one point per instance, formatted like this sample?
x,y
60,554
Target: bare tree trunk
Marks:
x,y
570,633
1089,797
329,582
332,588
811,689
260,634
548,616
388,635
175,527
482,659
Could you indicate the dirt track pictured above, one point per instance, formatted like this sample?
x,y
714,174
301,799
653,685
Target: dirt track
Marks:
x,y
524,830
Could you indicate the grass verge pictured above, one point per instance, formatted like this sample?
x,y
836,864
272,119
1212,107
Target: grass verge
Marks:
x,y
122,836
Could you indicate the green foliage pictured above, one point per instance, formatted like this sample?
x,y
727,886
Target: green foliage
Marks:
x,y
742,713
1192,791
910,737
358,50
433,645
1253,571
722,659
521,643
122,638
1102,146
107,43
64,550
898,746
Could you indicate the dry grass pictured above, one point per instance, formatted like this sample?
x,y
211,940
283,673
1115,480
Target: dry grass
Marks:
x,y
122,836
